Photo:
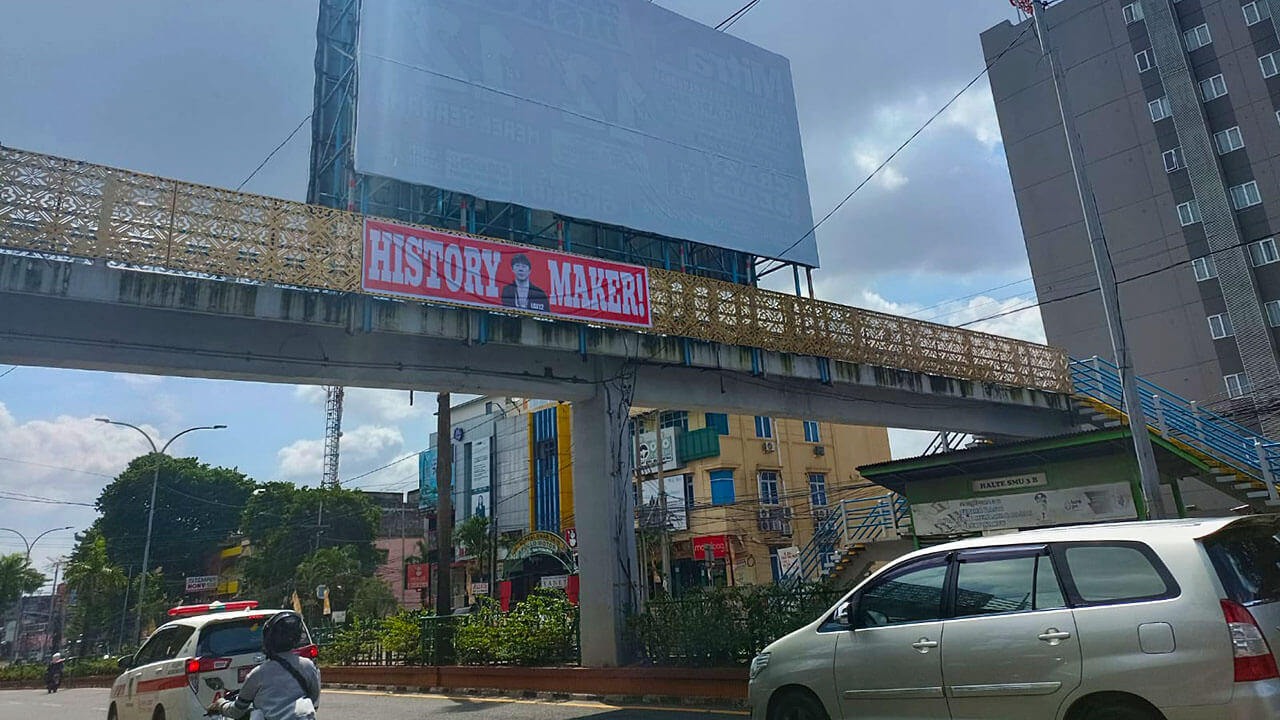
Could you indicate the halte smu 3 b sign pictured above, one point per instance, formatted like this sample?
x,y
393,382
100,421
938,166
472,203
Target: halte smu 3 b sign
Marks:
x,y
437,265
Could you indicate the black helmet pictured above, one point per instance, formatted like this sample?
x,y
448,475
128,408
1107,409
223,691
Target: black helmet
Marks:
x,y
282,633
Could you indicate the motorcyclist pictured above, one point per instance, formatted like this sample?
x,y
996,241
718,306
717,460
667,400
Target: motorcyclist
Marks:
x,y
286,686
53,674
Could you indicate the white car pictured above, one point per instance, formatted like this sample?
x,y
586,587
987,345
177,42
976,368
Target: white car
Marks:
x,y
205,652
1164,620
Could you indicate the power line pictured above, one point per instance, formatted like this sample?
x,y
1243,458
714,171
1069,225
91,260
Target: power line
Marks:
x,y
728,22
1139,276
55,467
272,154
901,147
6,372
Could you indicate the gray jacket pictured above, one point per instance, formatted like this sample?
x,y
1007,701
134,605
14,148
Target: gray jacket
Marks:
x,y
272,690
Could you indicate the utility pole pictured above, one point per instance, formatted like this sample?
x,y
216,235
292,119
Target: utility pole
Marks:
x,y
444,505
53,598
124,612
1147,469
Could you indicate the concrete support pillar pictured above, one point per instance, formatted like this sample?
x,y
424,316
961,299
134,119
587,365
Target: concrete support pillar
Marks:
x,y
604,516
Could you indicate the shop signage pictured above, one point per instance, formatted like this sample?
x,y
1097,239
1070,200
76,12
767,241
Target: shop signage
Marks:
x,y
417,576
538,543
479,588
1093,503
719,546
789,561
202,583
558,582
1010,483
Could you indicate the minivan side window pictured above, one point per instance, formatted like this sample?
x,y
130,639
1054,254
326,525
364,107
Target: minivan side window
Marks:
x,y
1010,584
910,594
164,645
1102,573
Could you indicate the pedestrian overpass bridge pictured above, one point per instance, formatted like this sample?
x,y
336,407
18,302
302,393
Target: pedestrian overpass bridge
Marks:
x,y
107,269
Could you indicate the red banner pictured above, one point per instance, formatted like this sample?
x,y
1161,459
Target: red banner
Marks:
x,y
719,546
437,265
417,576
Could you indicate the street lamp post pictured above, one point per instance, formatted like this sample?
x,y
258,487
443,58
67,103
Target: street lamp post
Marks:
x,y
151,510
17,629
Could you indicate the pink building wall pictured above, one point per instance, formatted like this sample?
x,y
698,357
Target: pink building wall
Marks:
x,y
392,571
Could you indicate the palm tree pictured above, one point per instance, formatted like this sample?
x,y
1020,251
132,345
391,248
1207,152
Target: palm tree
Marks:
x,y
96,583
16,578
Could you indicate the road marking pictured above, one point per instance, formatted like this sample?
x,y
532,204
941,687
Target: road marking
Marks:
x,y
588,705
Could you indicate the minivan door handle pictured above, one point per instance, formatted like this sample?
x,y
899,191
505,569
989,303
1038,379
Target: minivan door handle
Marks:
x,y
924,644
1053,636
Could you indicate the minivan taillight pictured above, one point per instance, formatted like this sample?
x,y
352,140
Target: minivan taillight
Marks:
x,y
1252,654
310,652
195,666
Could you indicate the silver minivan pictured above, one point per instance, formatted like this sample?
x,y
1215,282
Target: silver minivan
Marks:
x,y
1173,620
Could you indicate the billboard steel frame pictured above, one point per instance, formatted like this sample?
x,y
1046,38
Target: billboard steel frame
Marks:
x,y
334,183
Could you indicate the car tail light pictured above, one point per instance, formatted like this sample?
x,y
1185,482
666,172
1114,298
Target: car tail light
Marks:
x,y
308,651
1252,654
195,666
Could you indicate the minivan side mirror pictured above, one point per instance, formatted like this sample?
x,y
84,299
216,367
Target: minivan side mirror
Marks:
x,y
125,662
844,614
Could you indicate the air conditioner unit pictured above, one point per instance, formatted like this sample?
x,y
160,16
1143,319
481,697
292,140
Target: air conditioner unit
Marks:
x,y
820,514
784,528
787,513
769,446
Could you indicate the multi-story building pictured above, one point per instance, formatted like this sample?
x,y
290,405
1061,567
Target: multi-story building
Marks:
x,y
1177,107
748,489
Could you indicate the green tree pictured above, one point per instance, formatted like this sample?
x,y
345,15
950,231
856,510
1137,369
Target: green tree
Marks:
x,y
373,599
197,507
286,523
337,569
97,584
16,578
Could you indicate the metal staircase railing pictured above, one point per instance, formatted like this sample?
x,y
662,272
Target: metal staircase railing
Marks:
x,y
1182,420
851,521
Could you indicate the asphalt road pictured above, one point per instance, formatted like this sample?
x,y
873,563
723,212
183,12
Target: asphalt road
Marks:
x,y
336,704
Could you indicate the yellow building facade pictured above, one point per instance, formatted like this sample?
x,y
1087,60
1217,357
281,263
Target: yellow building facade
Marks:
x,y
753,489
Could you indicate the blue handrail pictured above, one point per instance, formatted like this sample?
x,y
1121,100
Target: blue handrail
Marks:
x,y
1176,417
851,521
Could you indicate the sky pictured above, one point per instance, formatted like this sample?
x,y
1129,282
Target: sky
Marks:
x,y
202,92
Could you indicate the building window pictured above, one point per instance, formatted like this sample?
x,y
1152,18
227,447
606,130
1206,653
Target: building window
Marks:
x,y
1205,268
1143,59
719,421
1213,88
1246,195
1255,12
1237,385
1220,326
1228,140
688,492
1273,312
1263,252
722,492
764,427
1197,37
678,419
1159,109
811,433
1268,64
1189,213
1173,160
817,490
1132,13
770,493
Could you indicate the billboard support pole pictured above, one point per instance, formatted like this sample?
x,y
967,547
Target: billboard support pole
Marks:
x,y
808,273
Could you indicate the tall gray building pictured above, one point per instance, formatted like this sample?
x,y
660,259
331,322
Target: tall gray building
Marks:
x,y
1177,105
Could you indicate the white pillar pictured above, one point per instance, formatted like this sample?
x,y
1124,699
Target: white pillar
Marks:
x,y
604,512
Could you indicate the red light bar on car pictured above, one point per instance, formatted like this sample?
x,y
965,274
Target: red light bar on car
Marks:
x,y
213,607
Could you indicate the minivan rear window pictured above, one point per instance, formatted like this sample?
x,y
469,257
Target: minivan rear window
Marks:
x,y
242,636
1246,557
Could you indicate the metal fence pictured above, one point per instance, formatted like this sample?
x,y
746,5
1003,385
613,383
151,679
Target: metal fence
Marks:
x,y
74,209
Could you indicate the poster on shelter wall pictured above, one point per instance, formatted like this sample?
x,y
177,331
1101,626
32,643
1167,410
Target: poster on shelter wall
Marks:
x,y
1093,503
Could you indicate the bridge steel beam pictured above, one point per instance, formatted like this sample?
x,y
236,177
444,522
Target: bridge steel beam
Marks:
x,y
99,317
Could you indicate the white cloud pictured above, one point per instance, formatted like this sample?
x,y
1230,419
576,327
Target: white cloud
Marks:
x,y
909,443
304,459
67,459
139,380
975,112
868,160
1022,324
377,406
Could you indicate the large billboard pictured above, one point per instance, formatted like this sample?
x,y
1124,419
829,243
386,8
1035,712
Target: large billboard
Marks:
x,y
616,111
439,265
